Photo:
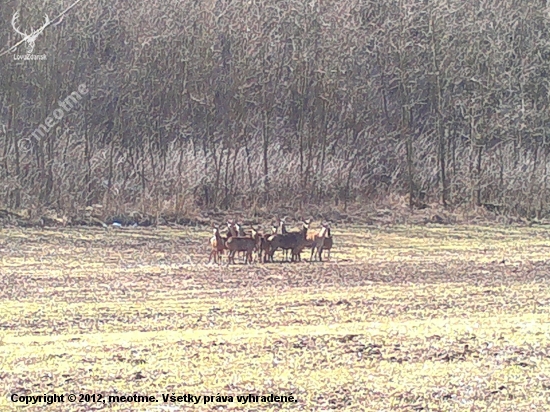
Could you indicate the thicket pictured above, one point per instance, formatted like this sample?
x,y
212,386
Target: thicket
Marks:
x,y
253,105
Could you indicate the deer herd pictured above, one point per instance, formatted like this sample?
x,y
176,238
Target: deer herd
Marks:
x,y
264,246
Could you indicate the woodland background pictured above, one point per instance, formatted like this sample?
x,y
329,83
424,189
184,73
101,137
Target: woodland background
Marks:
x,y
258,106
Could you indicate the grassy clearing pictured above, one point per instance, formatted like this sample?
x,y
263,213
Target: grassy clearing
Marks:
x,y
405,318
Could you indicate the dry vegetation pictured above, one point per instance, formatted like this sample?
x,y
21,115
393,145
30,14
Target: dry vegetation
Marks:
x,y
199,105
403,318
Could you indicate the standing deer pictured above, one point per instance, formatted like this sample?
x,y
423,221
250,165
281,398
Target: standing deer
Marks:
x,y
261,245
311,240
240,233
218,245
241,244
226,236
231,228
290,240
328,242
297,250
319,242
266,245
283,231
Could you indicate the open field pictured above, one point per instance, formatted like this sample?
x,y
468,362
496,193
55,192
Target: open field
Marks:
x,y
403,318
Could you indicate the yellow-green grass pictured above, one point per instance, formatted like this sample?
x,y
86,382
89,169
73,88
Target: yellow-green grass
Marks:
x,y
404,318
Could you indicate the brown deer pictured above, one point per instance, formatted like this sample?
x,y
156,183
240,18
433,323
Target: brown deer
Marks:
x,y
297,250
262,246
312,240
241,244
218,245
318,242
328,242
231,232
265,245
231,228
240,233
290,240
283,231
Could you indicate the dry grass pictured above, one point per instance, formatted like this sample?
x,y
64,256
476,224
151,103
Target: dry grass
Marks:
x,y
406,318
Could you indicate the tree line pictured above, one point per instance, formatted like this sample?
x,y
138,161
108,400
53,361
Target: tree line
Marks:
x,y
248,104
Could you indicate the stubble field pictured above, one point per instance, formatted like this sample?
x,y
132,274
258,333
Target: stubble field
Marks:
x,y
442,318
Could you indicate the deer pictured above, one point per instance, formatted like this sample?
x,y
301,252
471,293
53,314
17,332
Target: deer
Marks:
x,y
218,245
319,242
265,245
311,240
290,240
327,245
241,244
227,235
231,228
282,229
258,239
297,250
239,233
262,246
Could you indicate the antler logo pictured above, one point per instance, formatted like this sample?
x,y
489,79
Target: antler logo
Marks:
x,y
31,37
